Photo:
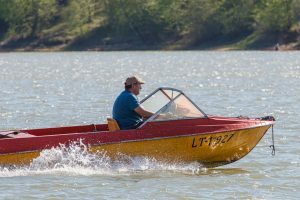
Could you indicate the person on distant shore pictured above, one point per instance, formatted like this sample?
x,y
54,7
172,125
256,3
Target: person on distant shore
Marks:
x,y
276,48
127,110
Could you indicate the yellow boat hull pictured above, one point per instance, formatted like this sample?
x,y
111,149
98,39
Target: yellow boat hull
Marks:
x,y
211,149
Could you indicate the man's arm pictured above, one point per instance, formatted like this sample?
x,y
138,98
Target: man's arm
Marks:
x,y
142,112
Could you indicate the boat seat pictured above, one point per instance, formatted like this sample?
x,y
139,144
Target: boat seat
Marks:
x,y
112,124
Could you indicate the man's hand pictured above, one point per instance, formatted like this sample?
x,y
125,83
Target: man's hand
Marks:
x,y
166,116
142,112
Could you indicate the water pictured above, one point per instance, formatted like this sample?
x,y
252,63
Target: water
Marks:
x,y
57,89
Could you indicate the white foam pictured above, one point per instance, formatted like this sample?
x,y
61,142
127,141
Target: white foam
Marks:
x,y
77,160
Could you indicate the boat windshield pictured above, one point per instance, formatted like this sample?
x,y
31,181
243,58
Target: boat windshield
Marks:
x,y
170,104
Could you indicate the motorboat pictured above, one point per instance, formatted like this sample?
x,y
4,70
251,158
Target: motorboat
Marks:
x,y
178,132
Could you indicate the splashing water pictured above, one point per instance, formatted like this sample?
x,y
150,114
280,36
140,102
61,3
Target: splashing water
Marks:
x,y
77,160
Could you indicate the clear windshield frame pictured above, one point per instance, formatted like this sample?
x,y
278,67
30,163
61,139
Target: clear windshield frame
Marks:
x,y
171,100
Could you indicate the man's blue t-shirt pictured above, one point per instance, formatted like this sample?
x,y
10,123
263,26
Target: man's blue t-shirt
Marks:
x,y
123,110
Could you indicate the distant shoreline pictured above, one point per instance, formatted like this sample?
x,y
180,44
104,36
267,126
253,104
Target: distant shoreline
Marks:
x,y
283,47
263,43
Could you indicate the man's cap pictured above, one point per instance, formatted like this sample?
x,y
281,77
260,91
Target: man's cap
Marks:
x,y
133,80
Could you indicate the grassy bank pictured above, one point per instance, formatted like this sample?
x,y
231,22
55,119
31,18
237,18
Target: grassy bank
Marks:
x,y
100,39
96,36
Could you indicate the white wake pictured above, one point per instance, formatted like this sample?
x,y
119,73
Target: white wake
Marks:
x,y
77,160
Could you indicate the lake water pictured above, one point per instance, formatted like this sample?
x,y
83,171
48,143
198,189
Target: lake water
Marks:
x,y
57,89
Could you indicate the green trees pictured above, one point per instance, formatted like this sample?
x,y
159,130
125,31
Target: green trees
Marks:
x,y
236,16
196,18
3,15
296,10
274,15
142,18
27,17
79,12
151,21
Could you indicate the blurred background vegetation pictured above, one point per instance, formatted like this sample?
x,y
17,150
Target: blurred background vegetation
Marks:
x,y
148,24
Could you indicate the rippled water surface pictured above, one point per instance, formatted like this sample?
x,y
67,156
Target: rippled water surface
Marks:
x,y
57,89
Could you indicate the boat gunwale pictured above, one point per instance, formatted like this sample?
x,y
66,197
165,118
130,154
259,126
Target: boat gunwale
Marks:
x,y
145,139
96,141
147,129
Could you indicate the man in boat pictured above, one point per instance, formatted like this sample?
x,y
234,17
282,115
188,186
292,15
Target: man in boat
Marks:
x,y
127,110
